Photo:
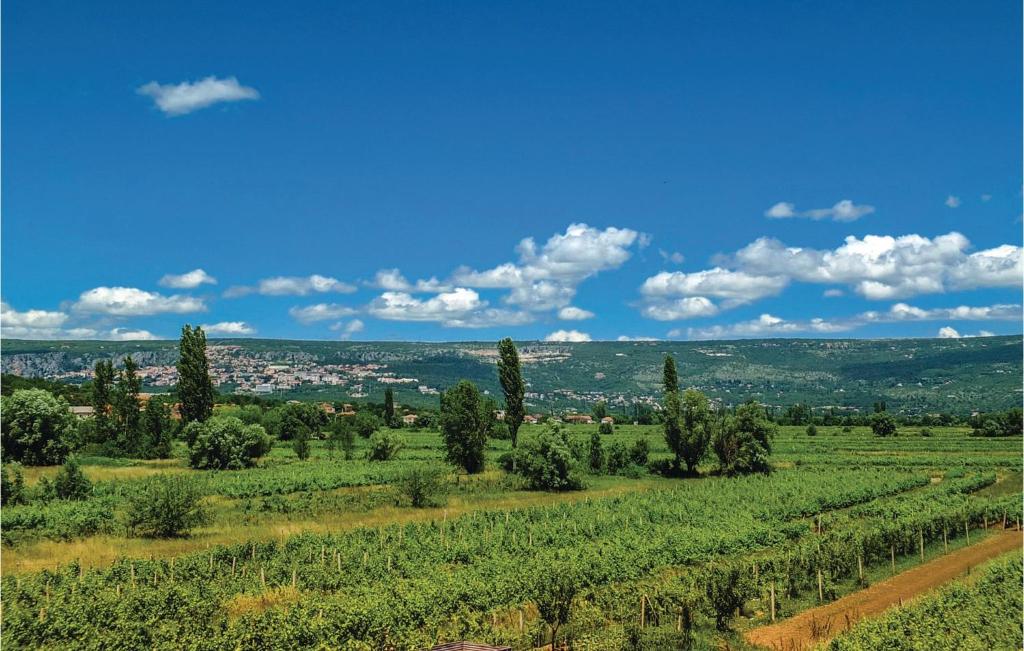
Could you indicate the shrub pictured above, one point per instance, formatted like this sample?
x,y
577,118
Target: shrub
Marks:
x,y
812,430
366,424
554,593
882,424
423,486
465,421
744,443
12,486
926,432
605,428
640,452
617,458
36,427
548,463
725,593
847,429
71,483
385,446
225,443
596,452
300,443
343,435
165,507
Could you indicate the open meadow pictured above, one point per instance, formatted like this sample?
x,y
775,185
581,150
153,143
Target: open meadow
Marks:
x,y
328,552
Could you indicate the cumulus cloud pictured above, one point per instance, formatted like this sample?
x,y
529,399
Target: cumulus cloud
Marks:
x,y
229,328
565,336
948,332
674,257
320,312
129,334
130,301
571,313
348,329
189,96
952,202
736,286
841,211
628,338
9,317
905,312
684,308
833,293
189,280
293,286
766,325
460,308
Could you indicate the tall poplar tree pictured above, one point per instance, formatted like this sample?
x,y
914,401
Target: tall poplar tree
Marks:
x,y
389,407
126,408
670,379
511,377
195,388
102,385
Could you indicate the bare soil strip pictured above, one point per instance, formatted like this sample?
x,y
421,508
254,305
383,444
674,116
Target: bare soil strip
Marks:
x,y
817,625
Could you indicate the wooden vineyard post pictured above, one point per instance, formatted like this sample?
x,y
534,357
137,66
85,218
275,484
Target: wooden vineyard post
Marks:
x,y
860,567
920,541
294,577
967,532
338,557
263,578
233,561
131,569
985,520
1004,519
211,561
323,554
520,621
642,600
821,591
892,557
945,541
773,600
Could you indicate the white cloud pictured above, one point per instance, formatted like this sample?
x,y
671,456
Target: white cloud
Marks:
x,y
628,338
884,267
128,334
229,328
11,318
179,99
841,211
683,308
765,325
574,314
130,301
189,280
674,257
948,333
833,293
459,308
303,285
392,280
566,336
905,312
736,286
986,197
348,329
952,201
320,312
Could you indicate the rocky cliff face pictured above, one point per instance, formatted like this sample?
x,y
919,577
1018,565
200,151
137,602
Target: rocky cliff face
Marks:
x,y
54,363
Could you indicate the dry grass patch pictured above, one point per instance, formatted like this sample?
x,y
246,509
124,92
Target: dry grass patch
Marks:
x,y
245,604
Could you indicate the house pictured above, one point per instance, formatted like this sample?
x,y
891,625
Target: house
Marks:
x,y
499,414
530,419
608,419
347,410
409,419
82,411
327,408
579,419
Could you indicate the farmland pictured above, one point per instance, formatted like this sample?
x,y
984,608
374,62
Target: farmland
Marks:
x,y
327,552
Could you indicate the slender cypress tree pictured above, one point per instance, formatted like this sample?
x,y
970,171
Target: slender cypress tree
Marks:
x,y
670,379
511,377
389,407
102,383
195,388
126,408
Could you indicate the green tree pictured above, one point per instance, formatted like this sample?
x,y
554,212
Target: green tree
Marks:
x,y
596,452
127,416
697,425
36,427
164,507
744,441
195,387
423,486
669,377
463,426
342,435
300,443
554,594
510,375
725,589
600,410
102,388
389,407
385,445
882,424
12,487
157,429
366,423
70,482
548,463
225,443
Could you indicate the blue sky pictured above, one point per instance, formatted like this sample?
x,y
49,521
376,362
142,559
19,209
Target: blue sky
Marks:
x,y
683,170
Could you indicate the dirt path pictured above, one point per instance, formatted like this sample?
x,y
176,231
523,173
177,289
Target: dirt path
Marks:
x,y
817,625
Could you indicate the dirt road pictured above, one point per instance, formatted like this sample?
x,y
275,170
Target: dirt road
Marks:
x,y
816,625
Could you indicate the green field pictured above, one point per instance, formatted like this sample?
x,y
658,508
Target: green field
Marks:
x,y
326,553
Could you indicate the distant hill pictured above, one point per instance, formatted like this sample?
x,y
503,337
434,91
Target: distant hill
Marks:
x,y
911,375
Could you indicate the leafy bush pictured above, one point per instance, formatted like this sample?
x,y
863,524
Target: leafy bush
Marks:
x,y
596,452
640,452
725,593
36,428
617,458
744,443
423,486
300,443
605,428
465,422
812,430
71,483
385,445
993,425
548,463
366,424
166,506
554,593
225,443
926,432
882,424
12,486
